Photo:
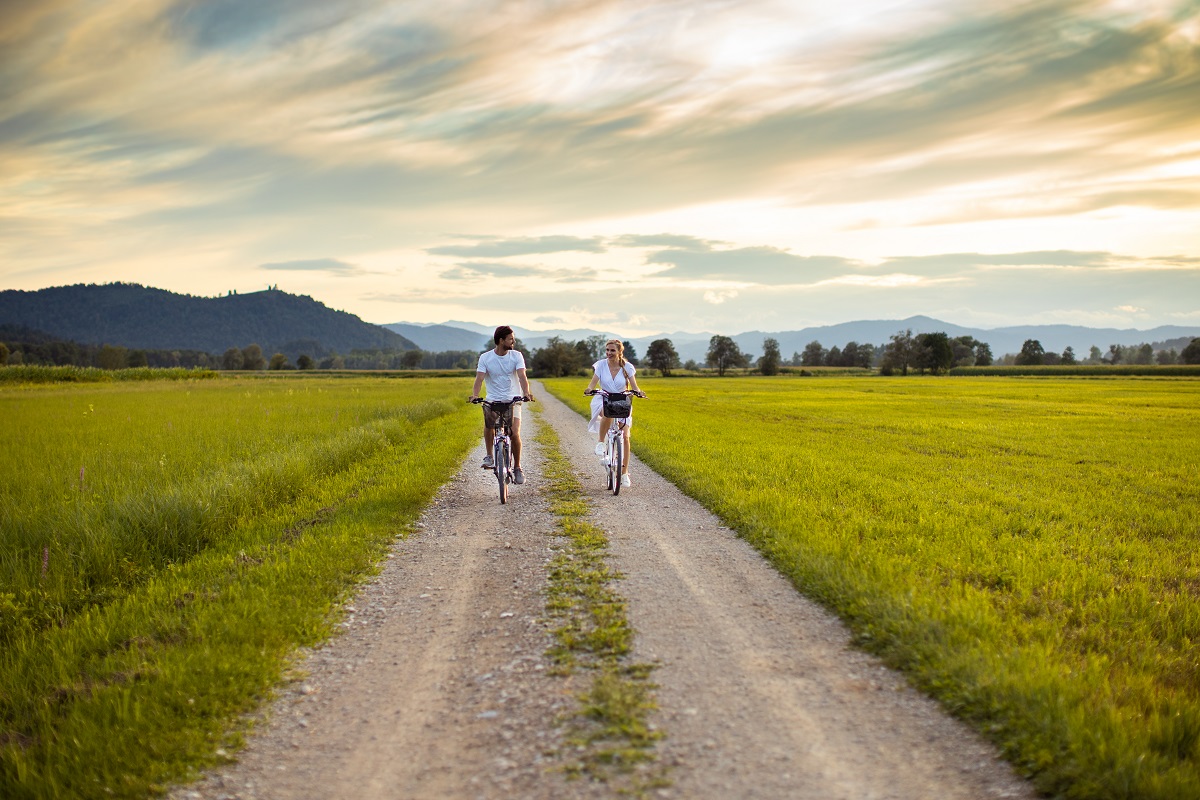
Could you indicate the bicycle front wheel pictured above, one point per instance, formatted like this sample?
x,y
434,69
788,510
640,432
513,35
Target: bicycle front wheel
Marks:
x,y
608,461
500,454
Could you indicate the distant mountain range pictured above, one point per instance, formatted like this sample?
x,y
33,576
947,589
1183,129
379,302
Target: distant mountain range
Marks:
x,y
1054,338
140,317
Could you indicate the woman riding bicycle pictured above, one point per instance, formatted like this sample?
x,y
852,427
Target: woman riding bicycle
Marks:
x,y
612,374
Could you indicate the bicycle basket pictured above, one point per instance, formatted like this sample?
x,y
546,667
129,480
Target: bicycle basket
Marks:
x,y
618,407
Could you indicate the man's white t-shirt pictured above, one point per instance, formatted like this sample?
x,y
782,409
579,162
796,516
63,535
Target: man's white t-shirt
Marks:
x,y
498,375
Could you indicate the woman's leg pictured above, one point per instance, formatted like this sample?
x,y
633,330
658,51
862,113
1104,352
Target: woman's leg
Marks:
x,y
625,461
605,422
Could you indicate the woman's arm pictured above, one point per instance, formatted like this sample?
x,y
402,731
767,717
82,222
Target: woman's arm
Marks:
x,y
592,383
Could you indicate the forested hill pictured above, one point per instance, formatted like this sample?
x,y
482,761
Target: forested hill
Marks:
x,y
137,316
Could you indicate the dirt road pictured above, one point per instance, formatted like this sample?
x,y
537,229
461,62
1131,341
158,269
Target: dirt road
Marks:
x,y
438,686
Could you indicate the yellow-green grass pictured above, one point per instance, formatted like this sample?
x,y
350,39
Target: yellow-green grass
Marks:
x,y
32,373
1025,549
215,528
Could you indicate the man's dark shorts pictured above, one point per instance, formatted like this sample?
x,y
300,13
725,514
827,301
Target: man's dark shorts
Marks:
x,y
492,413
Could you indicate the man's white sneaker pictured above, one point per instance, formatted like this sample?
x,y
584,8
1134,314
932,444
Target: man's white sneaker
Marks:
x,y
599,448
624,480
488,462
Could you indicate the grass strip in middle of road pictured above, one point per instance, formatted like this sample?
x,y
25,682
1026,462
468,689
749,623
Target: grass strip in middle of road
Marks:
x,y
610,730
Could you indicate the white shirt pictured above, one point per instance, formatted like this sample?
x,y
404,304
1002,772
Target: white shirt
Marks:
x,y
498,375
609,382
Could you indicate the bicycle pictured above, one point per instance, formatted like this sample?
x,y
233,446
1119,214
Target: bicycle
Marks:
x,y
502,443
614,440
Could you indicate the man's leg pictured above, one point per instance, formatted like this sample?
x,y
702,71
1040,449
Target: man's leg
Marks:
x,y
489,437
516,441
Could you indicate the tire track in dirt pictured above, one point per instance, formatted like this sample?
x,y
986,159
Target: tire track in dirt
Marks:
x,y
437,686
760,693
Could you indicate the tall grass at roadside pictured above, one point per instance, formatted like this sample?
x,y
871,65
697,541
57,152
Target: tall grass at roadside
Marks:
x,y
33,373
1024,549
102,487
285,494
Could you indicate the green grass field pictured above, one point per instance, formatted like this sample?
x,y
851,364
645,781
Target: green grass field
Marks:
x,y
1023,548
165,546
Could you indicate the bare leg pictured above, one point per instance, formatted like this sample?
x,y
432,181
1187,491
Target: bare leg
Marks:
x,y
605,423
625,461
516,443
489,437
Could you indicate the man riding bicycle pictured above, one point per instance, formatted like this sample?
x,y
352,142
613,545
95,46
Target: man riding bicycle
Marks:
x,y
497,367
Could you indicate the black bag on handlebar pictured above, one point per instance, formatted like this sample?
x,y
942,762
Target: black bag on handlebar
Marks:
x,y
618,407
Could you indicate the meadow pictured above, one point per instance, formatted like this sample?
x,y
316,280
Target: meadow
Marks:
x,y
1024,549
165,546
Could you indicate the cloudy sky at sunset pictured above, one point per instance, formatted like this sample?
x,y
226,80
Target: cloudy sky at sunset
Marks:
x,y
635,167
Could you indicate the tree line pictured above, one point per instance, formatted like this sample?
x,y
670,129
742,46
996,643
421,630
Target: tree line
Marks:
x,y
933,353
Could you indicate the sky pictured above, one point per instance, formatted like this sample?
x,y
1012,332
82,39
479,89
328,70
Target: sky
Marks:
x,y
632,167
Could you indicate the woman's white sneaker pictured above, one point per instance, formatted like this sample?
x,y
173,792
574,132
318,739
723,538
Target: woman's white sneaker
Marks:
x,y
624,480
599,448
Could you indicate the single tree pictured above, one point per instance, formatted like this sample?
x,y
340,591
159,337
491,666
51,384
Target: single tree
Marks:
x,y
304,361
252,357
1166,357
1095,356
557,359
934,352
964,350
899,352
1032,353
1191,353
724,353
661,356
3,354
1115,354
279,361
768,362
232,359
813,355
1068,356
411,359
983,355
833,358
630,353
112,356
1145,355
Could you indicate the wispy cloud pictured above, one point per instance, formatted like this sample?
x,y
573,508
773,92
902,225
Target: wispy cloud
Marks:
x,y
480,271
500,248
750,264
328,265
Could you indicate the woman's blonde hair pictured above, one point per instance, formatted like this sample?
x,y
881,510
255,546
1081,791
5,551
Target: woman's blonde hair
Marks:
x,y
620,350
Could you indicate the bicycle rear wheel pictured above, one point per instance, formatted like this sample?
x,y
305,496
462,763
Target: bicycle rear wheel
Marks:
x,y
500,454
618,463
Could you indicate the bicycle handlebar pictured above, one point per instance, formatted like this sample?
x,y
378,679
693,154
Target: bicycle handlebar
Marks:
x,y
521,398
613,394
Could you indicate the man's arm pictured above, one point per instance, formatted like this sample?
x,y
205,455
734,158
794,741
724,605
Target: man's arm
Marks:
x,y
524,384
478,384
